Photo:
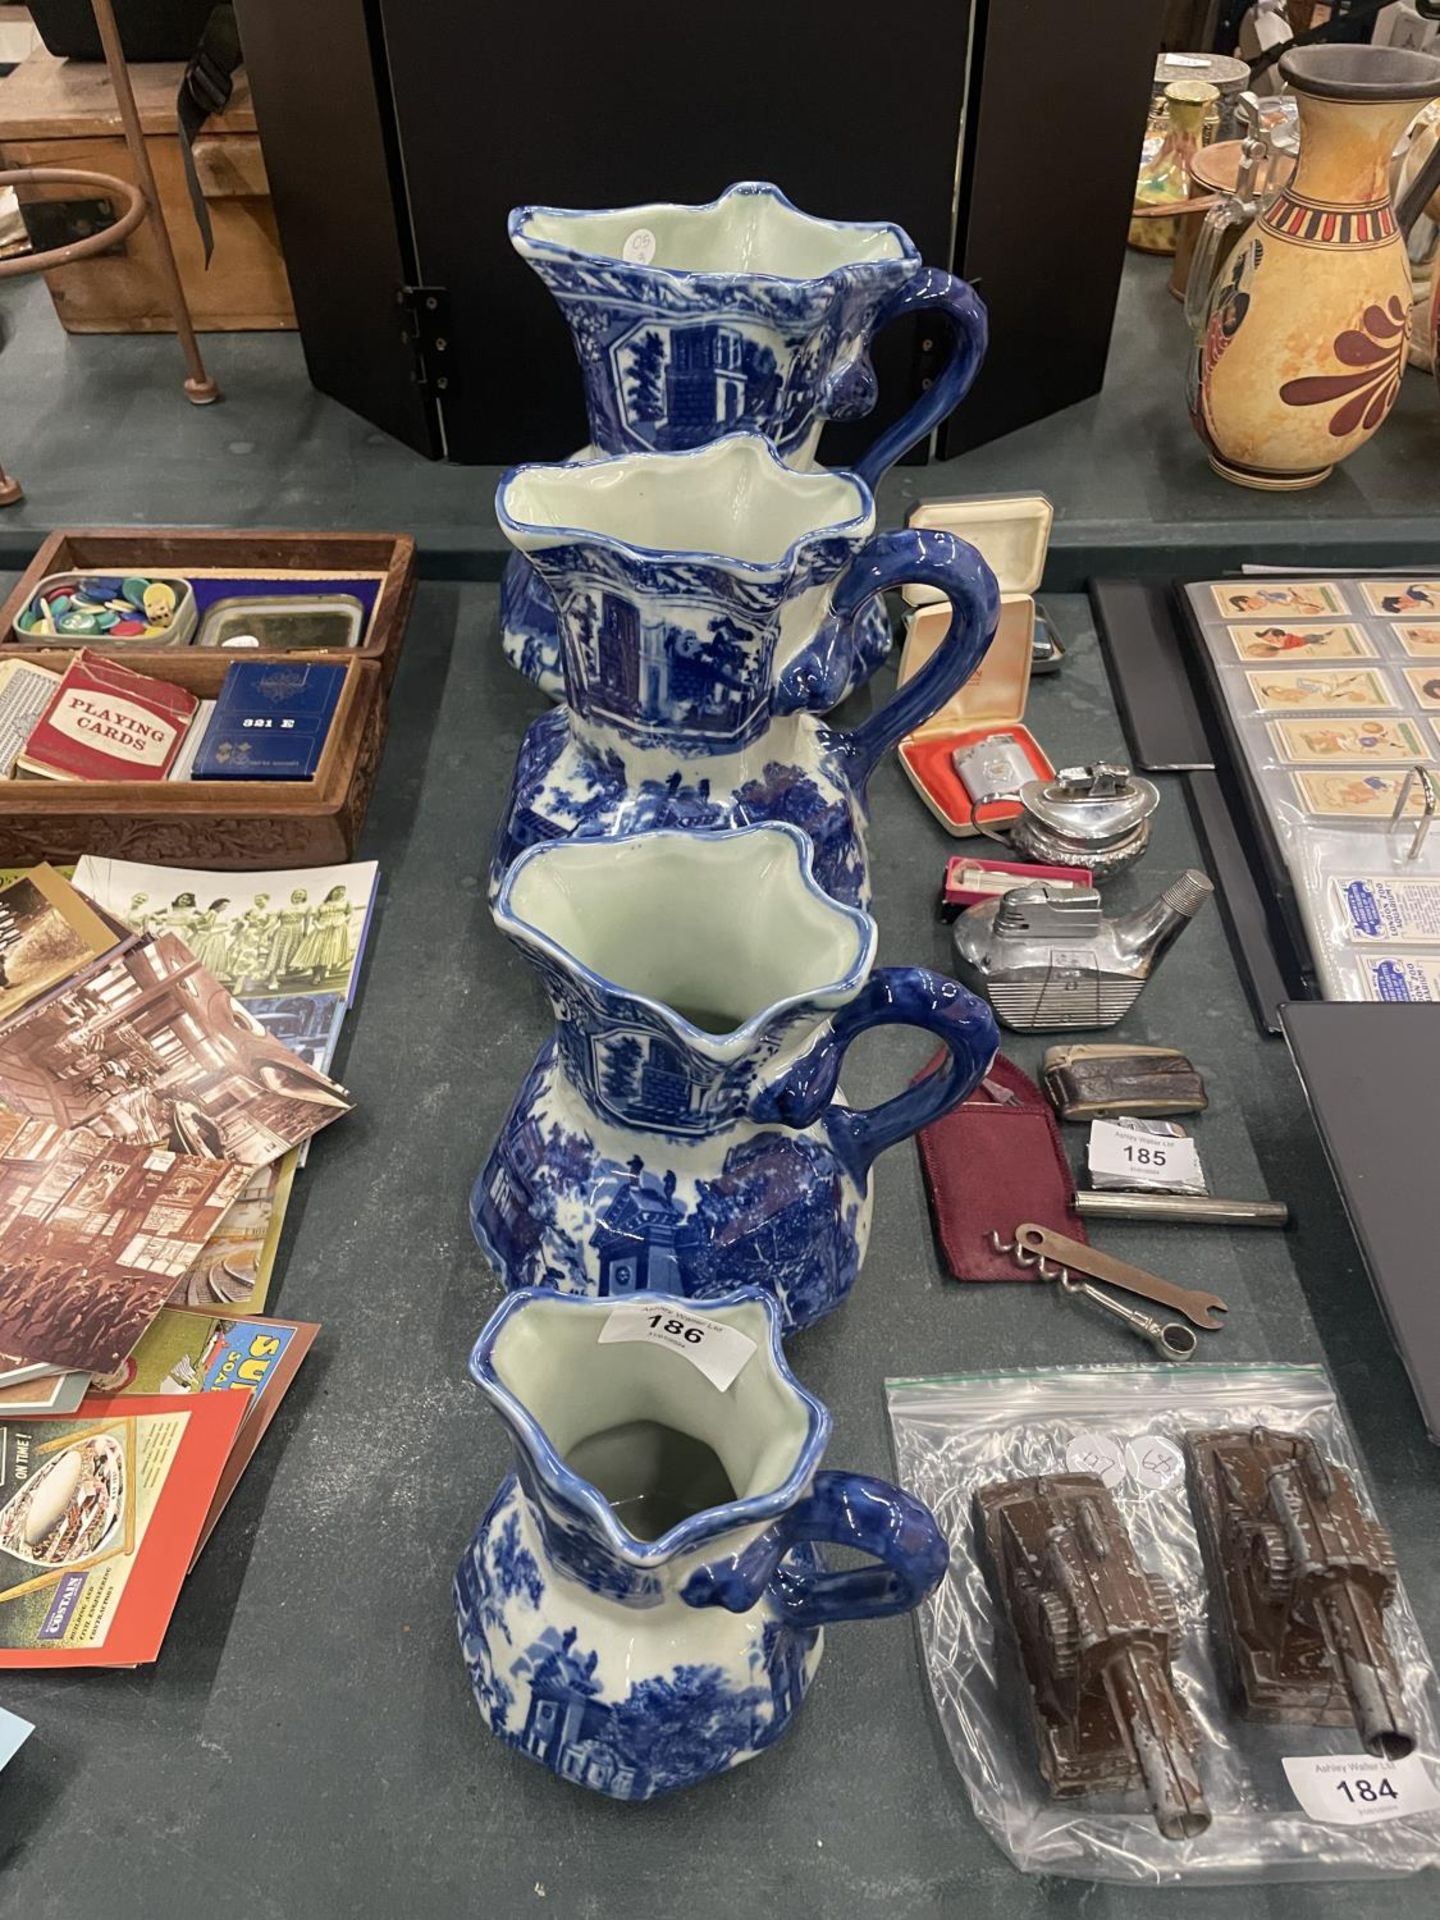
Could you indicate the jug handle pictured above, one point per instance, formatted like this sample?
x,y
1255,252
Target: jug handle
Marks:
x,y
892,996
848,1510
1419,192
920,557
963,311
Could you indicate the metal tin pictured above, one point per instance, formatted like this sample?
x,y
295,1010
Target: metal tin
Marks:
x,y
310,622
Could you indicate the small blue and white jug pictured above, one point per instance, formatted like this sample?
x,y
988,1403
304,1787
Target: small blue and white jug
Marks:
x,y
691,322
642,1606
697,593
681,1134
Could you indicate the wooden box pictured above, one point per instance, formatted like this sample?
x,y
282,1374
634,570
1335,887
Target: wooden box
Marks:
x,y
62,113
231,824
180,550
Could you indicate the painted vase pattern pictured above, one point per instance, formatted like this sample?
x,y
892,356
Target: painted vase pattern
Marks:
x,y
637,1666
648,1154
693,322
1304,345
689,674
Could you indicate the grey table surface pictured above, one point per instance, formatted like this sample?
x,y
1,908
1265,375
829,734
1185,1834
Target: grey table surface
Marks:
x,y
98,430
307,1744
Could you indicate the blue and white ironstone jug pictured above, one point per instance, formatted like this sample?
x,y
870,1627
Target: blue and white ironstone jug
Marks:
x,y
682,1134
691,589
642,1606
691,322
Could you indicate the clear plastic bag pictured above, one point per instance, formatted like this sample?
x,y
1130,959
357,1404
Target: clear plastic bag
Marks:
x,y
955,1435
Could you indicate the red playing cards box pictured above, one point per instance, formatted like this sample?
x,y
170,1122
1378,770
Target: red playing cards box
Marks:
x,y
106,723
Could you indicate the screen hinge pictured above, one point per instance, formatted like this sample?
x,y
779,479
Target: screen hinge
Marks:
x,y
425,329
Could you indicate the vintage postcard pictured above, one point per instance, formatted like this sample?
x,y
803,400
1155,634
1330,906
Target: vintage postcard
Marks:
x,y
152,1048
52,1393
187,1352
1400,977
237,1262
1295,643
47,932
1327,690
93,1237
99,1516
1424,683
306,1023
1386,742
1420,642
1399,597
301,930
1370,795
1381,910
1266,599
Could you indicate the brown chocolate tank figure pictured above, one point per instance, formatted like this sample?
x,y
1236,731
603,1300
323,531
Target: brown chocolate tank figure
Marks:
x,y
1096,1635
1302,1576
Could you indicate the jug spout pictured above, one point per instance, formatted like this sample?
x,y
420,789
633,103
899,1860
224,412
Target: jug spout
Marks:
x,y
1142,937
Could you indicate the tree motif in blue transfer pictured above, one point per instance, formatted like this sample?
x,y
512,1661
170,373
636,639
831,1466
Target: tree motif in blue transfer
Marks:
x,y
645,373
676,1731
517,1573
773,1219
762,379
619,1075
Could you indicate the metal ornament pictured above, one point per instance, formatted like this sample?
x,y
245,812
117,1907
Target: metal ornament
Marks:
x,y
1096,816
1050,961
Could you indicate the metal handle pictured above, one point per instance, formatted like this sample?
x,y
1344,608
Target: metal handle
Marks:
x,y
1205,1212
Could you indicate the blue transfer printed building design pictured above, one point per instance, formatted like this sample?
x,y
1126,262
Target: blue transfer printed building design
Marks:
x,y
704,384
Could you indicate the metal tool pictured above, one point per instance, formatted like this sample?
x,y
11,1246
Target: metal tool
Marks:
x,y
1198,1211
1171,1339
1427,809
1056,1257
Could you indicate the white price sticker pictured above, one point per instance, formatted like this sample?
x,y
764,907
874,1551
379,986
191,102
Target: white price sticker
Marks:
x,y
639,247
1352,1790
717,1350
1095,1453
1120,1151
1154,1462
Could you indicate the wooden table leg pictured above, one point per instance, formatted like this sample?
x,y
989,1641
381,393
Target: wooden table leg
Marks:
x,y
199,386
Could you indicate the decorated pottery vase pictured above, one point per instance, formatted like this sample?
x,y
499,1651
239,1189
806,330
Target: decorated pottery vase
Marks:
x,y
681,1133
1165,175
691,322
644,1603
694,592
1304,343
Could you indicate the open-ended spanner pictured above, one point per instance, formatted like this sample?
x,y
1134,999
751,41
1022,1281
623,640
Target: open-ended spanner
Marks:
x,y
1054,1250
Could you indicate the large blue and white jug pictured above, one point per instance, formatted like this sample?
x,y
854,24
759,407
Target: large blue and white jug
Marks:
x,y
682,1133
693,591
692,322
643,1604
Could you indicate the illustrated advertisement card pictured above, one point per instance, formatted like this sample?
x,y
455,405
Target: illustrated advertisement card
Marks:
x,y
1275,599
1419,641
299,930
1424,683
47,932
1295,643
99,1517
1400,976
185,1352
1383,911
93,1237
1357,741
235,1266
1328,690
152,1048
1398,597
1356,796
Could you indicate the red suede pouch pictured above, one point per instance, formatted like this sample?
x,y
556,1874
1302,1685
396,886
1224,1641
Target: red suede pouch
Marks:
x,y
991,1163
